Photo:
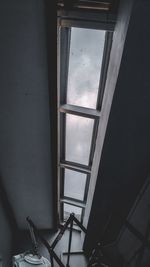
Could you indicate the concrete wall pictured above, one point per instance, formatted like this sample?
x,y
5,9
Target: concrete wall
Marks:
x,y
5,238
25,150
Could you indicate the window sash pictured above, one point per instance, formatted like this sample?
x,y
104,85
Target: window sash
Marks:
x,y
64,47
63,219
62,182
63,141
64,39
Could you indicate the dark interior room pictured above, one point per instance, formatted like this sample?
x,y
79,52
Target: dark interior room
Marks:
x,y
74,133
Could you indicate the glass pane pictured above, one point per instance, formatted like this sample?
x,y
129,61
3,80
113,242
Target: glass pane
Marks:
x,y
86,53
78,138
72,209
74,185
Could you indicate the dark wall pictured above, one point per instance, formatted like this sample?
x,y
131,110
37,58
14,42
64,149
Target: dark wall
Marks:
x,y
125,158
25,131
5,238
25,150
139,217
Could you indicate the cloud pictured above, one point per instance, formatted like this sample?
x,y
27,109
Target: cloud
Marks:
x,y
84,66
74,184
83,81
78,138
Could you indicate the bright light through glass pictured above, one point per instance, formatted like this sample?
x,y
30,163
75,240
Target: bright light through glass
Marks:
x,y
74,184
72,209
86,53
78,138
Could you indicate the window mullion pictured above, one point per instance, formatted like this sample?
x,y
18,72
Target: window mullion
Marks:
x,y
103,75
73,202
70,199
65,35
86,187
80,111
65,22
93,143
75,167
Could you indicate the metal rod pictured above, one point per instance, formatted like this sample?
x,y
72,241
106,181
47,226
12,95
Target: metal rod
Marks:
x,y
53,255
33,239
52,260
60,234
49,247
79,224
70,238
74,252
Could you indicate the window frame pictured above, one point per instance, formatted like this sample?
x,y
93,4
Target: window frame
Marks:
x,y
64,108
62,195
63,139
71,204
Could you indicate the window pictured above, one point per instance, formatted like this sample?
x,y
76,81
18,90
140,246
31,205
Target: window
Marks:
x,y
83,60
72,209
72,180
78,138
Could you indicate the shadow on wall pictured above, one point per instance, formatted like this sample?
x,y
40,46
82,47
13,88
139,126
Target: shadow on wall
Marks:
x,y
131,247
8,228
